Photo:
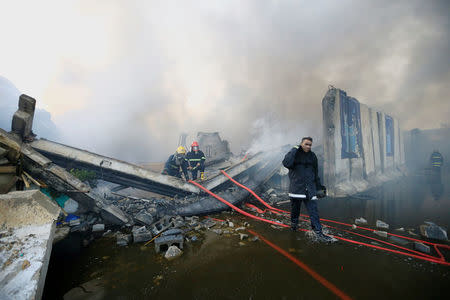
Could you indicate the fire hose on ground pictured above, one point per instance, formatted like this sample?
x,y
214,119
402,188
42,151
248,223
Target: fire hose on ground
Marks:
x,y
439,260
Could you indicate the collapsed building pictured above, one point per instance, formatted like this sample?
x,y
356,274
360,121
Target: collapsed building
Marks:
x,y
362,148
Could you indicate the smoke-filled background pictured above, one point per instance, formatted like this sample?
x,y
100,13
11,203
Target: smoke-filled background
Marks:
x,y
125,78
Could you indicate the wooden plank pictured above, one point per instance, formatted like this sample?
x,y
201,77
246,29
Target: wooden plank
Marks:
x,y
32,179
27,184
7,169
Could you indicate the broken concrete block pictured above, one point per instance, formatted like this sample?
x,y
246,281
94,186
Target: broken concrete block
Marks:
x,y
270,191
172,253
381,233
82,227
164,242
161,225
22,122
112,214
230,224
71,206
243,236
208,223
398,240
239,228
433,231
400,229
421,247
354,226
217,231
4,161
144,218
381,224
254,239
361,221
141,234
74,222
173,231
98,227
123,239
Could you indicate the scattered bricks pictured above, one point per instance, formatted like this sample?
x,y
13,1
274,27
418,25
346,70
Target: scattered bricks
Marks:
x,y
381,233
243,236
98,227
382,225
360,221
173,252
123,239
421,247
141,234
164,242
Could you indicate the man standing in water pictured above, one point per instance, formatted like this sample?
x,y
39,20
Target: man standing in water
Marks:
x,y
305,185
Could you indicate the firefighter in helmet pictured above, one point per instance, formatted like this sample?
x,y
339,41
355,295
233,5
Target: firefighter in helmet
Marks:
x,y
177,163
196,159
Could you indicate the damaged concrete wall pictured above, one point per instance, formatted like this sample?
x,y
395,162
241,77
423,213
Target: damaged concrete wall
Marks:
x,y
362,147
213,146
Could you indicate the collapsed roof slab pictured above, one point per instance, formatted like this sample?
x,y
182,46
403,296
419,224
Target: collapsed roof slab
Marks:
x,y
113,170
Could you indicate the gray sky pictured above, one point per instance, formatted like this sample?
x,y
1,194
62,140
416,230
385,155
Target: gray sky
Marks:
x,y
125,78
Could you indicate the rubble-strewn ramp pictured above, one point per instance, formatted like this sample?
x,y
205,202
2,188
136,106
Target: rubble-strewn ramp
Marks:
x,y
126,174
112,170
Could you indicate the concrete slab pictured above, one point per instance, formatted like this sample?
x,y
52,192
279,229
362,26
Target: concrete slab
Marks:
x,y
26,233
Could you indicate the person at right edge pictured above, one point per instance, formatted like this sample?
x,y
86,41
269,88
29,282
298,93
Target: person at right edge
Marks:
x,y
305,185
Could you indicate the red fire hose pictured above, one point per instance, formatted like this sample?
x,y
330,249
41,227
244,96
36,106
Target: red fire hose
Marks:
x,y
276,210
422,256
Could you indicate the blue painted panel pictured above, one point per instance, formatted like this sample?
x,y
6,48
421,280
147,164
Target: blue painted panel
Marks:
x,y
350,126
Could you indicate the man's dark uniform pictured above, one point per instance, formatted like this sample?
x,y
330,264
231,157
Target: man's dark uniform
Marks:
x,y
195,157
173,164
304,184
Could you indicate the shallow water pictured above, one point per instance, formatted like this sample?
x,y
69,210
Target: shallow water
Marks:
x,y
219,267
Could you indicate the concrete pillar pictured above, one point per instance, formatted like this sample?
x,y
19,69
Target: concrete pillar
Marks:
x,y
22,122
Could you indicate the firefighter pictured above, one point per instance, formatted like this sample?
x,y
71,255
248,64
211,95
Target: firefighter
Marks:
x,y
196,159
436,161
176,162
